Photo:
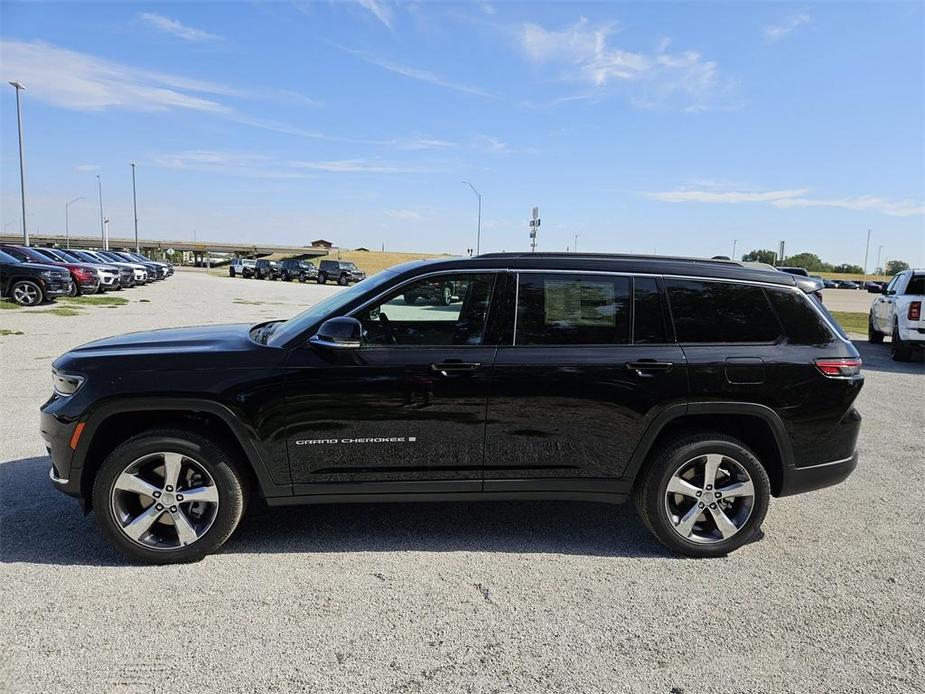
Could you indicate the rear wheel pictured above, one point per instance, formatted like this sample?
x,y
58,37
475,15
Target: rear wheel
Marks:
x,y
231,272
703,495
26,293
899,350
168,496
873,335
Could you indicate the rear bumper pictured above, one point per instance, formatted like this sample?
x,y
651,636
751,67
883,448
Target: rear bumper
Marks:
x,y
912,334
797,480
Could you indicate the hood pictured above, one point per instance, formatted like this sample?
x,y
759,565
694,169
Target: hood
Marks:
x,y
179,342
56,269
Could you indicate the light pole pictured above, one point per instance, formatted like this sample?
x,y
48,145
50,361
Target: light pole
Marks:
x,y
67,226
22,173
866,250
879,251
105,234
478,233
135,207
734,243
99,183
576,242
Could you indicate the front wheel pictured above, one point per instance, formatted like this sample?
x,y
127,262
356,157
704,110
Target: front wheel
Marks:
x,y
874,336
703,495
343,281
74,290
322,278
26,293
231,272
168,496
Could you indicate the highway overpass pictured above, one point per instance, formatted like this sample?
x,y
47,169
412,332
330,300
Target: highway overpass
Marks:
x,y
197,247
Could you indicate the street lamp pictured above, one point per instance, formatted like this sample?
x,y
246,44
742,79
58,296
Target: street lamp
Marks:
x,y
106,235
22,174
135,207
67,227
99,183
478,236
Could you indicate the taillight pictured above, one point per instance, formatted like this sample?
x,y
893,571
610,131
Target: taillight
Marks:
x,y
839,368
915,310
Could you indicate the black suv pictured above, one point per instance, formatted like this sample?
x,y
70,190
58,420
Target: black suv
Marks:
x,y
266,270
302,270
29,284
339,271
698,388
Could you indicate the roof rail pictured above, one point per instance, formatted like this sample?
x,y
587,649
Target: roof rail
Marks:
x,y
611,256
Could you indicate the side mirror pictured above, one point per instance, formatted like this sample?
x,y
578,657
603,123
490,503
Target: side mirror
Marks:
x,y
342,332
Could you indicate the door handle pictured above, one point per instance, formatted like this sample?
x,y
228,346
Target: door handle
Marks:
x,y
446,367
649,367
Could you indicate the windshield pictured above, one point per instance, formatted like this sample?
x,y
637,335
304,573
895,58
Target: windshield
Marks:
x,y
295,326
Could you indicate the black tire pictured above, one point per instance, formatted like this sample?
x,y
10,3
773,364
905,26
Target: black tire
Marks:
x,y
899,350
231,272
302,278
651,488
874,336
286,277
343,281
220,464
27,293
322,278
74,290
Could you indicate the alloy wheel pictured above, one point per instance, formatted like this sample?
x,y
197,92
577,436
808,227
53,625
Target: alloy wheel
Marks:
x,y
164,501
709,498
27,294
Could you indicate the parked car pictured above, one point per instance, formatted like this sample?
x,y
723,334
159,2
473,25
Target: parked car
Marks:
x,y
167,265
84,278
156,271
558,376
441,293
801,271
846,284
266,269
829,284
339,271
112,277
898,313
242,266
302,270
130,274
150,271
875,287
30,284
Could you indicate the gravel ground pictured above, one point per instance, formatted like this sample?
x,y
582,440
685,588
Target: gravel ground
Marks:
x,y
530,597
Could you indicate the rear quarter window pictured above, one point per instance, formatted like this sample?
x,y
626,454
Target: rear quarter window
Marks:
x,y
802,324
916,285
705,312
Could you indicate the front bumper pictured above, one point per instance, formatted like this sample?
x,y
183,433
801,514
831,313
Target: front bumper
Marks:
x,y
57,434
89,286
58,287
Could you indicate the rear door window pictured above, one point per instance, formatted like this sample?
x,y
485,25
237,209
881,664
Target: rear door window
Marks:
x,y
565,309
705,312
648,319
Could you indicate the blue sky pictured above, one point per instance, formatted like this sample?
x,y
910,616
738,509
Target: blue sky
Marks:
x,y
641,127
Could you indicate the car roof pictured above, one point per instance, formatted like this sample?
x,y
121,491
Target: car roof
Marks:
x,y
600,262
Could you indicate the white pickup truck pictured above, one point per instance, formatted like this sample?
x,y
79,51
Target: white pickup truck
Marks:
x,y
898,313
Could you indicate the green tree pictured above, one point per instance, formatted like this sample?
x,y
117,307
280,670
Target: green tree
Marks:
x,y
809,261
848,269
759,257
894,267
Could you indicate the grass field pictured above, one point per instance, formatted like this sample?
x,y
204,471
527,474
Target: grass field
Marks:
x,y
852,322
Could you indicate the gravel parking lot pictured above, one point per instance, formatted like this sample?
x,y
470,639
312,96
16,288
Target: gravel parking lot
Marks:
x,y
531,597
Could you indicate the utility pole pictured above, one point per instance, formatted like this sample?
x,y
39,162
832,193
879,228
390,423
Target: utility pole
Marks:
x,y
67,226
135,207
106,235
22,172
99,183
734,242
866,250
478,232
879,251
575,247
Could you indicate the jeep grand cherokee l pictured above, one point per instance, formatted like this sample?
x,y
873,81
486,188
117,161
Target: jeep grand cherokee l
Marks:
x,y
29,284
699,389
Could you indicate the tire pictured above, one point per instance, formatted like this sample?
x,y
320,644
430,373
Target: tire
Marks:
x,y
874,336
661,511
302,278
410,299
343,281
74,290
322,278
231,272
27,293
199,453
899,350
286,277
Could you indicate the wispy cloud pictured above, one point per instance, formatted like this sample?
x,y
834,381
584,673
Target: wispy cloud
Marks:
x,y
176,28
491,144
84,168
228,163
359,166
583,53
380,10
775,32
796,197
418,74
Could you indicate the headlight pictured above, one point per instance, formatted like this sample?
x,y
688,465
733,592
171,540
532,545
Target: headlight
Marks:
x,y
47,274
65,384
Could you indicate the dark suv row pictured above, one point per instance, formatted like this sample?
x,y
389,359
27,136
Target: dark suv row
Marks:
x,y
699,389
30,284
